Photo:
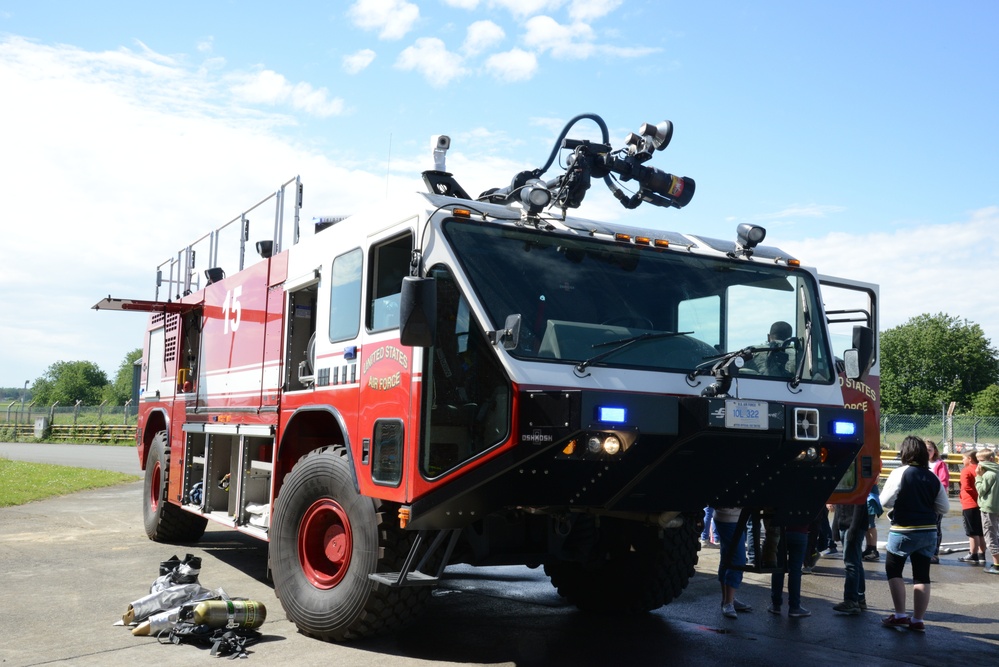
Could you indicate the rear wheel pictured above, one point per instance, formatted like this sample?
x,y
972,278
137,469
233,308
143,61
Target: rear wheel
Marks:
x,y
165,522
637,570
325,541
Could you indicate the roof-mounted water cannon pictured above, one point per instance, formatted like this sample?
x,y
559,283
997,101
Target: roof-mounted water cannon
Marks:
x,y
588,160
600,160
654,186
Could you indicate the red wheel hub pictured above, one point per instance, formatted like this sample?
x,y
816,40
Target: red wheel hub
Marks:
x,y
154,486
325,543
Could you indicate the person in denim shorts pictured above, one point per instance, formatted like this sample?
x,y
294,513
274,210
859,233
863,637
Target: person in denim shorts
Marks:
x,y
916,498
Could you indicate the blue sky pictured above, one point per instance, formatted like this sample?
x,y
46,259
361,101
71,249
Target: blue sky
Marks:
x,y
862,135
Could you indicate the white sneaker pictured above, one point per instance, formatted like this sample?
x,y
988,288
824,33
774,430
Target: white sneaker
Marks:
x,y
728,611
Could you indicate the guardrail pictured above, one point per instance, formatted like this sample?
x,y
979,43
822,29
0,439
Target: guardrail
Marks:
x,y
101,433
954,462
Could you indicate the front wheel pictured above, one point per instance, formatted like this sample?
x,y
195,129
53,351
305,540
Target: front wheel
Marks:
x,y
325,541
640,570
165,522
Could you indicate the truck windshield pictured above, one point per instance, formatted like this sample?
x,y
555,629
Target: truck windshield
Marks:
x,y
582,299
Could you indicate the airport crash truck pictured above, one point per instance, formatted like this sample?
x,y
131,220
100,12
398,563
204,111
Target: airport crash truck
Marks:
x,y
445,379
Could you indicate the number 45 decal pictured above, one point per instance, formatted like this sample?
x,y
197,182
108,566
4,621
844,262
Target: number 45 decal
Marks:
x,y
231,308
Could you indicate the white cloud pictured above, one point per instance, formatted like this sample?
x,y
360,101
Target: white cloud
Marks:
x,y
355,62
430,57
629,51
269,87
574,41
587,10
915,266
391,18
523,8
462,4
512,66
482,36
112,162
801,211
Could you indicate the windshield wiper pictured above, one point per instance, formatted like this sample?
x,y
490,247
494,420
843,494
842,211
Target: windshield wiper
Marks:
x,y
622,343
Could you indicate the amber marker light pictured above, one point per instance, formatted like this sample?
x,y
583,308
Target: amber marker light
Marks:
x,y
661,243
461,213
622,237
644,240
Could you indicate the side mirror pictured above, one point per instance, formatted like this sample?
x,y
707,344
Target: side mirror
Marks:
x,y
859,358
509,335
418,312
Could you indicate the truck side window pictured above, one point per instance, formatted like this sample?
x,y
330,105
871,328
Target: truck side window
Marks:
x,y
467,399
345,296
389,265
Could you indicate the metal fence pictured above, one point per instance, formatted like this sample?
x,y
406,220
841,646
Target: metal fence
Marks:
x,y
952,434
15,412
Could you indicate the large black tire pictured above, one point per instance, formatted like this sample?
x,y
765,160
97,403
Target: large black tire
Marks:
x,y
165,522
325,540
637,570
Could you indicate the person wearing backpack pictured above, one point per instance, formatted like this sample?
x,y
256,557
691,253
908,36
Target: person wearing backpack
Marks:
x,y
916,497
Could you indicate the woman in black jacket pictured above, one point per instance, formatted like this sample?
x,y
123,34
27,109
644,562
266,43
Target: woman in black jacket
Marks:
x,y
917,498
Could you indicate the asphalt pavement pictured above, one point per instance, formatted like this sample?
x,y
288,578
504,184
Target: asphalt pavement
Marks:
x,y
70,566
117,458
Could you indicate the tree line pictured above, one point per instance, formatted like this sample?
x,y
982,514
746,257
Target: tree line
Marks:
x,y
933,360
926,363
66,382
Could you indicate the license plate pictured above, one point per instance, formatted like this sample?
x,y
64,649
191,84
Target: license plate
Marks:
x,y
746,414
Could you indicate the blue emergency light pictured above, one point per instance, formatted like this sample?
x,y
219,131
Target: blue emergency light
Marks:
x,y
844,428
611,414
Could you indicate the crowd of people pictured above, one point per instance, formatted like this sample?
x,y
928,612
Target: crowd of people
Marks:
x,y
916,498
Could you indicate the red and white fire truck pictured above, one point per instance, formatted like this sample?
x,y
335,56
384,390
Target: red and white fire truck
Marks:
x,y
441,379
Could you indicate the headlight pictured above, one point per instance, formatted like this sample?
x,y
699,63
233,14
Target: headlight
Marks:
x,y
599,445
810,454
813,454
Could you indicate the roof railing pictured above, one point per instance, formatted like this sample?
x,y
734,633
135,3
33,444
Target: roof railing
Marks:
x,y
180,274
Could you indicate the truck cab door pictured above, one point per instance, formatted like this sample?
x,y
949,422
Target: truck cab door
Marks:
x,y
848,304
387,421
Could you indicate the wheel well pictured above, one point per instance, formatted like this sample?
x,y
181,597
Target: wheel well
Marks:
x,y
309,429
155,422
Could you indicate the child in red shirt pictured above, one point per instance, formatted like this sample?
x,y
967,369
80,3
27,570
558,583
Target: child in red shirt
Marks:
x,y
972,514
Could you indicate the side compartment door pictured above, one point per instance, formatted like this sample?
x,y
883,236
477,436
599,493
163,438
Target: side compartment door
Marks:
x,y
231,373
849,303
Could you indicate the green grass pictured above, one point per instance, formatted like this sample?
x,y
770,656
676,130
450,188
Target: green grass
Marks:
x,y
22,482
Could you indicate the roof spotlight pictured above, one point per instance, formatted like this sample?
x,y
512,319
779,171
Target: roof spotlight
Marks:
x,y
265,248
214,275
748,237
660,134
535,196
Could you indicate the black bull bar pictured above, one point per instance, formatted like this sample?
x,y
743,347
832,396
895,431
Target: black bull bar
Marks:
x,y
678,454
